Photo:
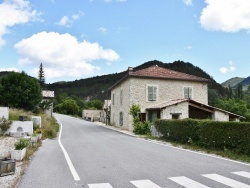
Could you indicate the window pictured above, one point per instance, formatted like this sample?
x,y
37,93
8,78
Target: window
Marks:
x,y
142,117
121,119
121,96
187,92
113,99
152,93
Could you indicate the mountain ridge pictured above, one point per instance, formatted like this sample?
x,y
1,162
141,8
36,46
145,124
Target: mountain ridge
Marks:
x,y
97,87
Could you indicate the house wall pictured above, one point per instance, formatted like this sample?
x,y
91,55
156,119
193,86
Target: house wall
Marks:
x,y
167,90
220,116
117,107
92,115
179,108
135,91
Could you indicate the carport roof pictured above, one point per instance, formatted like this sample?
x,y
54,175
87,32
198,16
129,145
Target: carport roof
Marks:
x,y
192,103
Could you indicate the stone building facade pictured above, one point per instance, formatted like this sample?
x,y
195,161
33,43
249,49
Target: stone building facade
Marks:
x,y
161,93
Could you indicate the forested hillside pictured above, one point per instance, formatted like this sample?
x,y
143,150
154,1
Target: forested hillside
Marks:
x,y
97,87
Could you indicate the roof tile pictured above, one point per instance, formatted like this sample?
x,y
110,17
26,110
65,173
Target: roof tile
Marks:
x,y
164,73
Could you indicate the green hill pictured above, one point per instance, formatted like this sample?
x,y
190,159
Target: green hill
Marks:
x,y
233,82
97,87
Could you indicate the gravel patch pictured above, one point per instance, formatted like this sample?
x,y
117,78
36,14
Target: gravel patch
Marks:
x,y
7,144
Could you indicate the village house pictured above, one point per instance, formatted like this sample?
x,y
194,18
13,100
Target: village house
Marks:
x,y
165,94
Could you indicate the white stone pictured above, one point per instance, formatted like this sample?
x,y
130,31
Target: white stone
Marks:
x,y
27,127
4,112
18,154
37,121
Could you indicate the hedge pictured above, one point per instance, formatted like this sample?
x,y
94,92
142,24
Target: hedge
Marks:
x,y
219,135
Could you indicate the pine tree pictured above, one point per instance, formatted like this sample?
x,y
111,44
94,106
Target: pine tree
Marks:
x,y
41,76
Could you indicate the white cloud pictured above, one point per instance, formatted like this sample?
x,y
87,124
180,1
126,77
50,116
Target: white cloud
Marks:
x,y
62,55
64,21
13,12
189,47
225,70
188,2
227,16
9,69
103,29
67,22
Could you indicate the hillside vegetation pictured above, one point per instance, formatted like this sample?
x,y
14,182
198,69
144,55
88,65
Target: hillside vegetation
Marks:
x,y
97,87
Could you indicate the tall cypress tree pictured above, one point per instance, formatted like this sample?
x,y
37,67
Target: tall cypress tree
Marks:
x,y
41,76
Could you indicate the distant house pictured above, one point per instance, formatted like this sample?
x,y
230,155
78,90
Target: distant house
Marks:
x,y
164,94
48,96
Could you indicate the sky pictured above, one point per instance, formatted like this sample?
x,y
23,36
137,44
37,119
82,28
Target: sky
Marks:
x,y
85,38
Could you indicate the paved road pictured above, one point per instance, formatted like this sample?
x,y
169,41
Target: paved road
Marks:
x,y
103,158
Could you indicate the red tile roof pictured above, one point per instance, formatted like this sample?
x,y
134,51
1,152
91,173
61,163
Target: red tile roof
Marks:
x,y
159,72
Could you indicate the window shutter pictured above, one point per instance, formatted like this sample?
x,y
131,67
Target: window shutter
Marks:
x,y
154,93
150,93
186,93
190,93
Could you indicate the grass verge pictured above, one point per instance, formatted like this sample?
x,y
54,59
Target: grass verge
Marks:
x,y
223,153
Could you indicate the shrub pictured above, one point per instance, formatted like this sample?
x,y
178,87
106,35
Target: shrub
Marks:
x,y
22,143
4,125
141,127
234,136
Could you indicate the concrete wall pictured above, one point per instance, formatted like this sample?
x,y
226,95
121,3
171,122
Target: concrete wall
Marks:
x,y
37,121
181,108
4,112
27,126
92,115
220,116
135,91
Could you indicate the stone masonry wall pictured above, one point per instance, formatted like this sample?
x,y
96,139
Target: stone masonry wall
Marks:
x,y
135,91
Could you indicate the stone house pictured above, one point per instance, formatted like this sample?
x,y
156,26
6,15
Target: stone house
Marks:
x,y
165,94
48,96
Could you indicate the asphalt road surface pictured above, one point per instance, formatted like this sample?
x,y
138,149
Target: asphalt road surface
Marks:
x,y
91,156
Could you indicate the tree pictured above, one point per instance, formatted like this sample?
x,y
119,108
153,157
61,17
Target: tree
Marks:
x,y
236,106
67,106
239,92
19,90
41,76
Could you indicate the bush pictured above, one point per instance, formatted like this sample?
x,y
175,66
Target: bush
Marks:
x,y
234,136
141,127
22,143
4,125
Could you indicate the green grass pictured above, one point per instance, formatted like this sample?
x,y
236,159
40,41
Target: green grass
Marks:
x,y
223,153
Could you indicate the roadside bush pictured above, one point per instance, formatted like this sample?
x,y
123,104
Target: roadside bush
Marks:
x,y
178,130
4,125
234,136
50,127
141,127
22,143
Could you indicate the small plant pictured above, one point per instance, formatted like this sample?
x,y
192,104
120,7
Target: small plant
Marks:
x,y
139,127
35,134
39,131
4,125
22,143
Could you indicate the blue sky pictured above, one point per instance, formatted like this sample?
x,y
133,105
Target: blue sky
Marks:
x,y
84,38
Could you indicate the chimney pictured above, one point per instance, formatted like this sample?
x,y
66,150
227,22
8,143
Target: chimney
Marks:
x,y
130,70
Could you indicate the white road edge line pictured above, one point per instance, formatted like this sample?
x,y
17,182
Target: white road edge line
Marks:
x,y
70,164
208,155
